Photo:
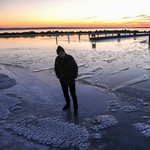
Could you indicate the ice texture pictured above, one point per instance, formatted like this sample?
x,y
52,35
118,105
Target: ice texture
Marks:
x,y
104,121
51,131
7,103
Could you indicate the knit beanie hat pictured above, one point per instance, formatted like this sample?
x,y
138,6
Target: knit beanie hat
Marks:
x,y
60,49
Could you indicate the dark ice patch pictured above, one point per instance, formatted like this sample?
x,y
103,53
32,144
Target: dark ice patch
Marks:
x,y
133,92
6,82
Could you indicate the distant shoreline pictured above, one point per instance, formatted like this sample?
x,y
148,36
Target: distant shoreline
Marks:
x,y
57,33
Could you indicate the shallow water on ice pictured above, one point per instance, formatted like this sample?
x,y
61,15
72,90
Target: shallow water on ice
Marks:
x,y
109,63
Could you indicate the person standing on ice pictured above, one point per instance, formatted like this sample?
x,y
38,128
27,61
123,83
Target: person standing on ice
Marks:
x,y
66,70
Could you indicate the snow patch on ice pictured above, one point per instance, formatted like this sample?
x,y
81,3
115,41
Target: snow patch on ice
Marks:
x,y
51,131
104,121
147,118
6,104
144,128
130,108
113,106
109,60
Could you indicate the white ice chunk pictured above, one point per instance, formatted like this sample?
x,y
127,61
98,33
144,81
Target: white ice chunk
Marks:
x,y
128,61
121,69
81,65
94,69
109,60
84,77
133,81
146,67
42,69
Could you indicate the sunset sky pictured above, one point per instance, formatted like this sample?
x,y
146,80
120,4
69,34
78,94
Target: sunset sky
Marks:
x,y
74,13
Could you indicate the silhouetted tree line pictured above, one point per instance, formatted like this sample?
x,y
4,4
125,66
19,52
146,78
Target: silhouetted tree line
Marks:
x,y
29,33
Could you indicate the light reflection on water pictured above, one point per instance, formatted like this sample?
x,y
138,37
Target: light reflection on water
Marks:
x,y
109,62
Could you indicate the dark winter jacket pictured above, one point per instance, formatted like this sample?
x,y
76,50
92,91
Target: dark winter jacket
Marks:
x,y
66,69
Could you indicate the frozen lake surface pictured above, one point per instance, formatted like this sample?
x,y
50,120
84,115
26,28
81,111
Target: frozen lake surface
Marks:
x,y
112,88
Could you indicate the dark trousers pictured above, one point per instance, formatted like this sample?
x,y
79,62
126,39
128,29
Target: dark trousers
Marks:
x,y
73,95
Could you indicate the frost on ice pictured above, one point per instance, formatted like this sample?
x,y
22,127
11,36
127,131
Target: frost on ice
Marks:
x,y
51,131
7,103
104,121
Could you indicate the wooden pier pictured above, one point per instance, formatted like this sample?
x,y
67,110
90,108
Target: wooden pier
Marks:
x,y
98,37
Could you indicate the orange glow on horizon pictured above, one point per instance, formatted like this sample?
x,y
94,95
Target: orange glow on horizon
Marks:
x,y
72,24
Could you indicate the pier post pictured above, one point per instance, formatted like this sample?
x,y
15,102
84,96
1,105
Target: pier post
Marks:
x,y
56,38
93,45
79,37
68,38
